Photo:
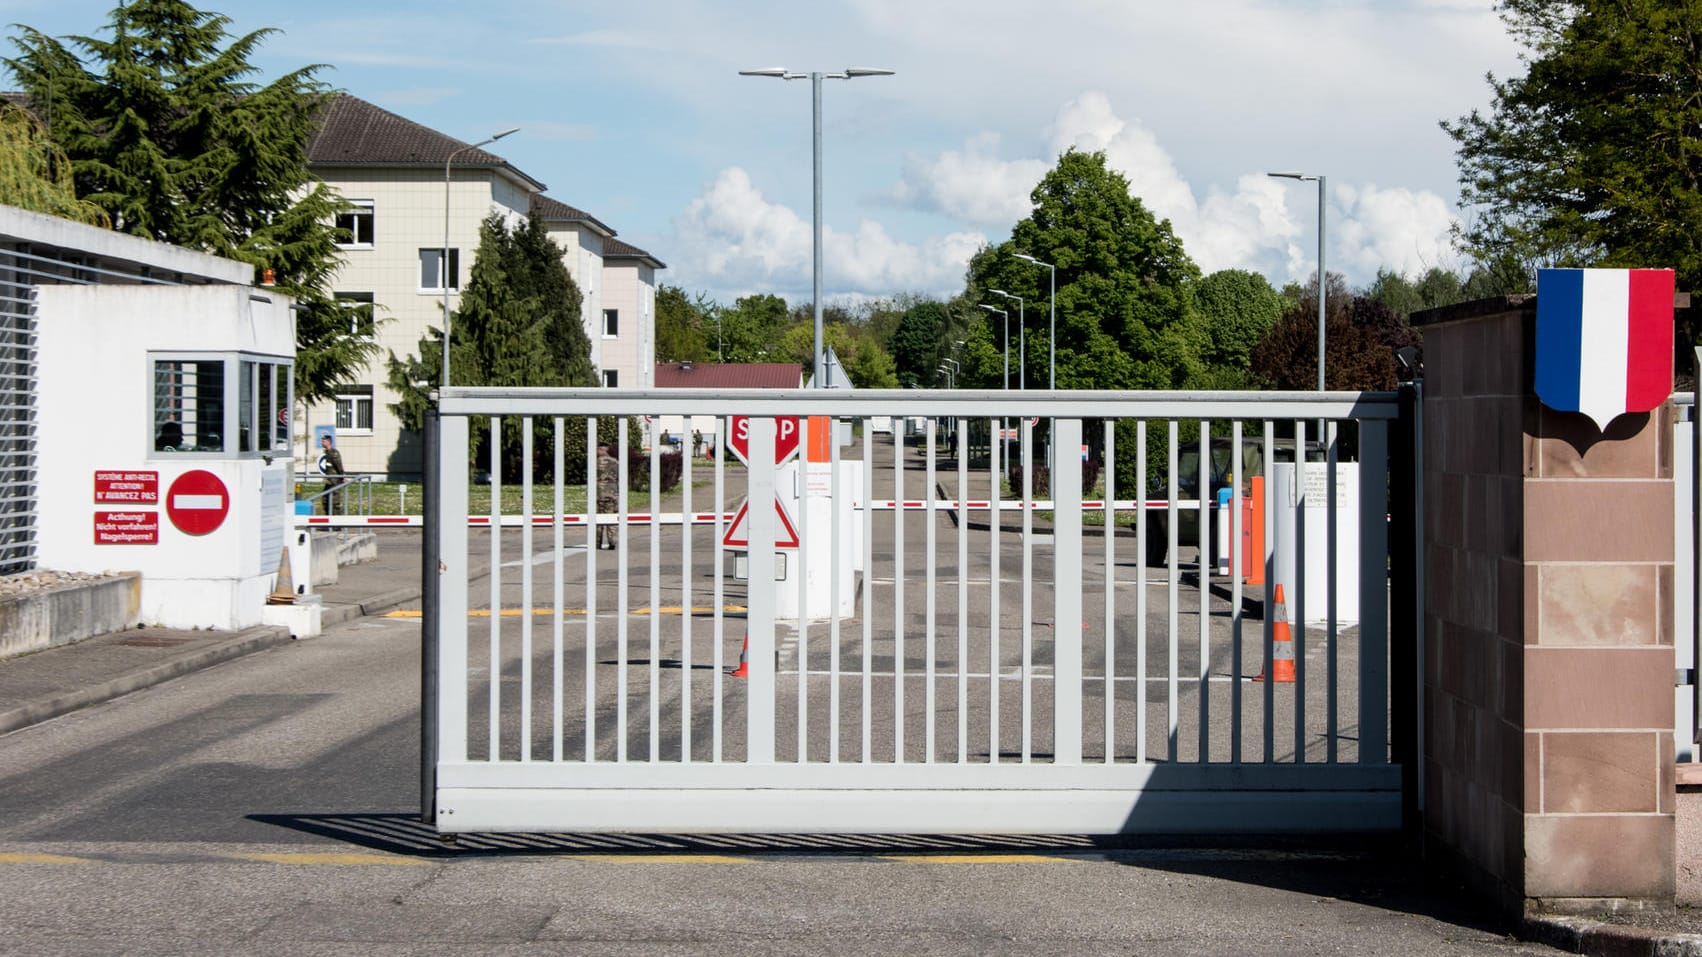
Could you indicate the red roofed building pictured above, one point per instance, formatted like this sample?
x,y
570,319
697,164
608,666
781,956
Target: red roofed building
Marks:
x,y
718,375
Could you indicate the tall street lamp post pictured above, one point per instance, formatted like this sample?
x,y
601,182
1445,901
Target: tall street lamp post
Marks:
x,y
1319,179
1021,339
819,377
443,261
1052,326
1002,425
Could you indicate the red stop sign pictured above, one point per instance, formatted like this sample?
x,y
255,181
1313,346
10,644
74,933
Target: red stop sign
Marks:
x,y
197,502
788,432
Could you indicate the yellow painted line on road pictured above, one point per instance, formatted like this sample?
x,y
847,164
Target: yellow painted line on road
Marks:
x,y
333,858
976,859
517,612
18,858
664,859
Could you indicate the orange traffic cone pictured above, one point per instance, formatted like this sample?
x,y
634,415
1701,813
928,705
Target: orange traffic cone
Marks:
x,y
744,668
1282,645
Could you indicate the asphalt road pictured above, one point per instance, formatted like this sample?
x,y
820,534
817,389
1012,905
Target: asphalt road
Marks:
x,y
265,806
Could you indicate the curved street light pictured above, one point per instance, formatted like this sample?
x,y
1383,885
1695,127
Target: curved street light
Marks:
x,y
443,263
1052,328
1319,179
1021,338
819,360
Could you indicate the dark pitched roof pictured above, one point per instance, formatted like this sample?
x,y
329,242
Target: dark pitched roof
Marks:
x,y
555,211
729,375
353,132
615,249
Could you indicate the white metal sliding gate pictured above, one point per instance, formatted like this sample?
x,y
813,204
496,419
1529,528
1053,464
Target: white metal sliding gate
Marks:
x,y
1012,663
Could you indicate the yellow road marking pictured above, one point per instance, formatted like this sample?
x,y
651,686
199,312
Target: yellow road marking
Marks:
x,y
975,858
312,857
517,612
664,858
41,859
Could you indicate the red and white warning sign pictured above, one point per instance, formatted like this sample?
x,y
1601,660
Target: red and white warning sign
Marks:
x,y
127,528
788,433
197,502
739,535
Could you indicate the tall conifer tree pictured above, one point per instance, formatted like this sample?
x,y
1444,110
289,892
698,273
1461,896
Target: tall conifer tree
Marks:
x,y
168,133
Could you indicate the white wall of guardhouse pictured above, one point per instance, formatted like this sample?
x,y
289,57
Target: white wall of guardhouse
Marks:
x,y
103,334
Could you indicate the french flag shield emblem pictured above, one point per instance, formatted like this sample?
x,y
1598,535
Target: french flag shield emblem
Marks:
x,y
1604,340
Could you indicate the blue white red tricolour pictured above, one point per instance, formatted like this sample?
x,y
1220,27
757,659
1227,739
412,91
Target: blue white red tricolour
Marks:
x,y
1604,340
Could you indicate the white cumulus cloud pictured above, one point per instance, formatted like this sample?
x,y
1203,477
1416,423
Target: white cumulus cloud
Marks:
x,y
732,237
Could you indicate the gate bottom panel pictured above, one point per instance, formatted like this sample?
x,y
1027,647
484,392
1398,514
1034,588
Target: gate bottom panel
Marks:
x,y
914,811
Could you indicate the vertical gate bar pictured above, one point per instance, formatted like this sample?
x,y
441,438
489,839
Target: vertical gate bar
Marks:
x,y
1297,609
686,657
801,484
655,695
1373,590
1027,500
961,444
1173,688
868,589
495,722
1268,626
1067,612
838,535
1138,493
526,588
1332,718
1237,566
718,616
1109,444
763,587
995,496
928,614
591,436
453,635
1207,501
431,612
898,597
558,591
622,601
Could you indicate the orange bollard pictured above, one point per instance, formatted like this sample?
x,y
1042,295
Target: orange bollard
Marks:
x,y
1253,533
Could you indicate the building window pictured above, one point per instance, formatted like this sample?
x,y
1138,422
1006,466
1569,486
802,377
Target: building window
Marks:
x,y
611,323
359,307
354,410
611,379
431,269
354,228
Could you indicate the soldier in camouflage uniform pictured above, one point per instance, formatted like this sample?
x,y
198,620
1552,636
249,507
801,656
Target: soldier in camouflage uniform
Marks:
x,y
608,494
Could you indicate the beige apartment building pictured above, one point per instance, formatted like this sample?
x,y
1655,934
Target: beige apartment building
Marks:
x,y
392,170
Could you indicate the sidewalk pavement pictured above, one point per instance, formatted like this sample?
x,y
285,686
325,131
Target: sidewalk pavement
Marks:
x,y
46,684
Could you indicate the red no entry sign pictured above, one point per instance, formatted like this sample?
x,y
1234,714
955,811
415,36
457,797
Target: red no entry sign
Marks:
x,y
787,434
197,502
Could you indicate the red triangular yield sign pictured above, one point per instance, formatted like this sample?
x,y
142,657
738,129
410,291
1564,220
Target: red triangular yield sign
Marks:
x,y
738,537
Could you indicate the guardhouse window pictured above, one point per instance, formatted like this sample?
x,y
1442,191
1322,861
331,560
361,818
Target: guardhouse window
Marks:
x,y
222,404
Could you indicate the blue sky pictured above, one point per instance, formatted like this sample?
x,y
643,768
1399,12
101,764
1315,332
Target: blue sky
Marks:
x,y
635,113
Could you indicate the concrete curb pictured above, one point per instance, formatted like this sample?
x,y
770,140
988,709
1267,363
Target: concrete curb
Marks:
x,y
1580,935
244,642
349,611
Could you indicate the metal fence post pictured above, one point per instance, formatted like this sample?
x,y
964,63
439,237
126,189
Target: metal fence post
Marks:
x,y
430,583
1406,540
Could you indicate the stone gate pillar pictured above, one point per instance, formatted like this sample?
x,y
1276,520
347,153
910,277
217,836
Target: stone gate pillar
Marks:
x,y
1547,657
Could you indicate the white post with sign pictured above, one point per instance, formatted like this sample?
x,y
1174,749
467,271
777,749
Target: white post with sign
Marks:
x,y
1302,525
